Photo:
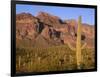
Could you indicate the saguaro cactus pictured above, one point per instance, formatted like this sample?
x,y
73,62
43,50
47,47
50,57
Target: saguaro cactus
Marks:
x,y
19,62
78,45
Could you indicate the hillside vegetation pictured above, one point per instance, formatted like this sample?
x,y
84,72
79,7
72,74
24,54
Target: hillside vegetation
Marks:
x,y
56,58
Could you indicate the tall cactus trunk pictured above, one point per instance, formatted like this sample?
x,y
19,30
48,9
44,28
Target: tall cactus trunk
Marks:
x,y
78,44
79,47
19,62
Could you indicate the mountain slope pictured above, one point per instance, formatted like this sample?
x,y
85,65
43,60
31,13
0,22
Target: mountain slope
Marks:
x,y
52,28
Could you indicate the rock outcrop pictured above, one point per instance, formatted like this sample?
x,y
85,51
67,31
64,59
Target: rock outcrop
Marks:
x,y
48,30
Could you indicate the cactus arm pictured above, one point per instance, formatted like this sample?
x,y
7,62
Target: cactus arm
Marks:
x,y
71,47
84,45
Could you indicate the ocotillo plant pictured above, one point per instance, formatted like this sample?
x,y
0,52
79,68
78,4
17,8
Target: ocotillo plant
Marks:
x,y
79,47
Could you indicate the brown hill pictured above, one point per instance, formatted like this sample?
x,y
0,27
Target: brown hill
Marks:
x,y
48,30
26,26
49,19
40,41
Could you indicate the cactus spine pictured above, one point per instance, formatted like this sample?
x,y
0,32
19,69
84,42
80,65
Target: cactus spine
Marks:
x,y
79,47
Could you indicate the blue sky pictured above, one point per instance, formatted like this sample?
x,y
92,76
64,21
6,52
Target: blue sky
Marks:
x,y
65,13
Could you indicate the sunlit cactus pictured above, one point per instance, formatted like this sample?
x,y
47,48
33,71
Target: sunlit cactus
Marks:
x,y
19,62
79,47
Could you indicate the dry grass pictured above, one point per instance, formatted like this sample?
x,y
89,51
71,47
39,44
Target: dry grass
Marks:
x,y
56,58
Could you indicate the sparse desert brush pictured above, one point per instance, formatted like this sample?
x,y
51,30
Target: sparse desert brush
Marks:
x,y
54,58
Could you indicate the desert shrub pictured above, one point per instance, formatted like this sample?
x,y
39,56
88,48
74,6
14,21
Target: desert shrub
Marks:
x,y
55,58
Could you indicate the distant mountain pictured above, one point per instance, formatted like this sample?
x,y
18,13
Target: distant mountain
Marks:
x,y
45,30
